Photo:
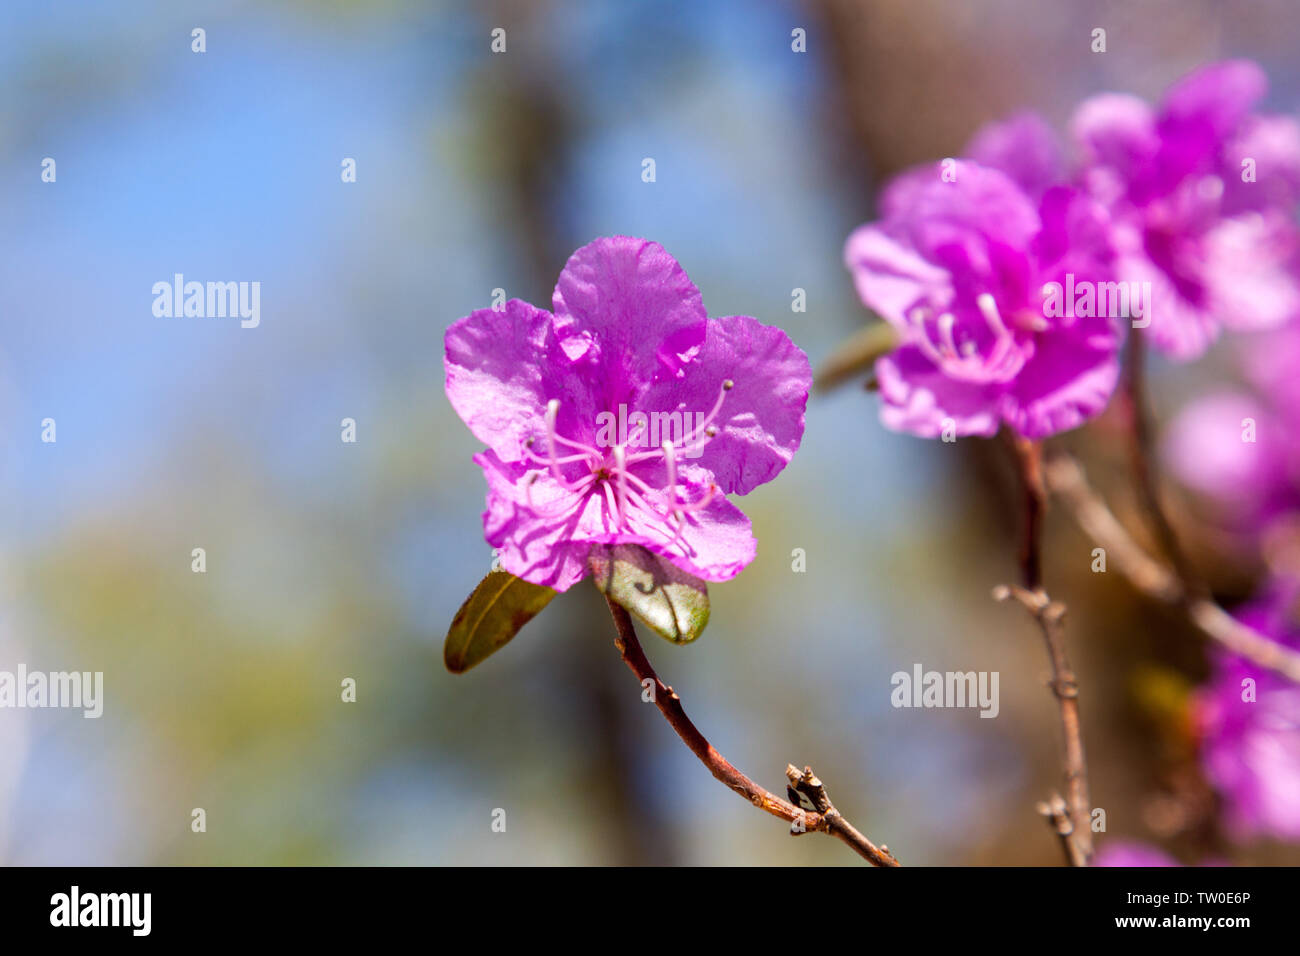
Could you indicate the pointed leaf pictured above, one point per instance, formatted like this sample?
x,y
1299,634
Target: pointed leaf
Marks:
x,y
671,602
490,617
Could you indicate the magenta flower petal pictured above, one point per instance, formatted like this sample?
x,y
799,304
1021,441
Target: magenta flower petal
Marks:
x,y
1220,247
1069,380
761,417
1273,142
979,201
1131,853
1179,327
625,418
1116,133
1022,146
716,542
1272,363
890,276
1251,750
545,550
501,369
1206,448
961,269
626,305
1251,268
918,398
1207,106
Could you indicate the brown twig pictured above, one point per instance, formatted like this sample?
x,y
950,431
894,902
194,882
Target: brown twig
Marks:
x,y
823,817
1145,470
1029,458
1074,823
1066,480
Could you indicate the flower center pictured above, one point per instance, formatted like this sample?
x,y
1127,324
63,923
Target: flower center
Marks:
x,y
611,474
958,353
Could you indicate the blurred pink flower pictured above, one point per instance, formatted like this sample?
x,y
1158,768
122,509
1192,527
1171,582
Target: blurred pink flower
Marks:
x,y
1203,195
1025,148
958,265
1251,731
1231,448
1131,853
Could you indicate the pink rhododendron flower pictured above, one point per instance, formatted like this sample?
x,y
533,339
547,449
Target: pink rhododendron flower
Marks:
x,y
1203,195
960,268
1232,449
1132,853
1238,448
1271,361
624,417
1024,147
1251,748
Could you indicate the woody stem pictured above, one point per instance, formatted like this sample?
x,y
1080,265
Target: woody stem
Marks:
x,y
826,819
1073,821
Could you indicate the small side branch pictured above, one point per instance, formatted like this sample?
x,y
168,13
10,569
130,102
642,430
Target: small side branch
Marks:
x,y
1066,480
1071,817
822,817
1145,472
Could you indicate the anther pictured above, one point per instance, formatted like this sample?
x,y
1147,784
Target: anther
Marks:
x,y
670,462
988,307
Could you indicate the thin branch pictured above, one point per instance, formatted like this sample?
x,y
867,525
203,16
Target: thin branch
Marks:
x,y
1057,813
1029,458
1067,482
856,356
1145,470
824,817
1073,823
1074,827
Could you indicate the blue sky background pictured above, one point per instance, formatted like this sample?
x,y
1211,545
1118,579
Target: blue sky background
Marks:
x,y
329,560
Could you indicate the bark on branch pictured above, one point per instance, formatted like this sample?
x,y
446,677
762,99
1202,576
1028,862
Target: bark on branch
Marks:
x,y
822,817
1066,481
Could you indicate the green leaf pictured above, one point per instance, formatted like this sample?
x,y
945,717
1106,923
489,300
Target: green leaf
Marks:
x,y
671,602
490,617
